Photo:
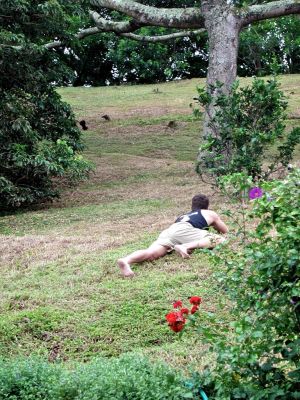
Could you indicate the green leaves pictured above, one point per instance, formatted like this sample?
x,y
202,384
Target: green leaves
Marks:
x,y
38,133
259,357
246,123
127,377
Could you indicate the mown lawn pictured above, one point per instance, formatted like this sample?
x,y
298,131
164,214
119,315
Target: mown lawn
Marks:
x,y
62,295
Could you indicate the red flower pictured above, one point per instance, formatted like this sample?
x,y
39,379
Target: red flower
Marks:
x,y
175,320
184,311
178,326
177,304
194,309
196,300
172,317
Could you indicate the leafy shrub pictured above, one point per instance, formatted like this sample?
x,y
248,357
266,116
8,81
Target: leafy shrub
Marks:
x,y
38,134
28,380
128,377
246,123
258,356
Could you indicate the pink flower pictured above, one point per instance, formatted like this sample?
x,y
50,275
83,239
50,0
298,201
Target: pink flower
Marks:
x,y
255,192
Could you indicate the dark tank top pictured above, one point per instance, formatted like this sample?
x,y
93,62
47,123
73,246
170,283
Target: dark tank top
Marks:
x,y
195,218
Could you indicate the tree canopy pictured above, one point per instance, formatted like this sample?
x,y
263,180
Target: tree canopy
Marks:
x,y
38,133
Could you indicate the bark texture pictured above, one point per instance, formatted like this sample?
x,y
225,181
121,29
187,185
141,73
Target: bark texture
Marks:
x,y
105,25
273,9
162,38
223,27
181,18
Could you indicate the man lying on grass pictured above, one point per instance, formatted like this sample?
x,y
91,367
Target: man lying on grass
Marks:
x,y
189,232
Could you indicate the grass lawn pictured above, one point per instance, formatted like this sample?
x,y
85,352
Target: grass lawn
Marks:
x,y
62,295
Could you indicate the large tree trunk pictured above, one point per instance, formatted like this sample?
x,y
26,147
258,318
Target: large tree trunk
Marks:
x,y
223,28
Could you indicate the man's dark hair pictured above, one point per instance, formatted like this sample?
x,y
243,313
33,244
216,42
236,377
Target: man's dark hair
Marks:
x,y
200,201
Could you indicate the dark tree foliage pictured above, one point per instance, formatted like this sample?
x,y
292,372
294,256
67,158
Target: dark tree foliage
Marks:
x,y
109,58
38,133
141,62
90,60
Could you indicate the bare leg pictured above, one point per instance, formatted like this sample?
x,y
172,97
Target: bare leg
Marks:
x,y
207,242
152,253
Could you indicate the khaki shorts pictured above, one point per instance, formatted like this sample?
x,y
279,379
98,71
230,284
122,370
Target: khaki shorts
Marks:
x,y
182,232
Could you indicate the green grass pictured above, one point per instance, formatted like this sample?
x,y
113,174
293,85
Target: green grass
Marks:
x,y
82,305
131,97
61,290
181,145
46,220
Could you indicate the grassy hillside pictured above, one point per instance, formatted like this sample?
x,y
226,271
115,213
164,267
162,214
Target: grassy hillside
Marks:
x,y
62,295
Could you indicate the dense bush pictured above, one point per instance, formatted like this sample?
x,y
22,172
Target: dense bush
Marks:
x,y
38,134
247,122
258,356
126,378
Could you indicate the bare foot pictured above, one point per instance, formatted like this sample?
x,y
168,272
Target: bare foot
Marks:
x,y
125,268
180,248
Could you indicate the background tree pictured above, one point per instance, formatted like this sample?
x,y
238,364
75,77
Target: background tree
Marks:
x,y
29,27
89,60
38,134
268,42
222,20
105,58
142,62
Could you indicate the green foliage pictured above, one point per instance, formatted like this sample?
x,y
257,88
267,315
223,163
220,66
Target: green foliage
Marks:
x,y
262,43
38,133
90,60
129,377
104,58
259,358
144,62
42,21
246,123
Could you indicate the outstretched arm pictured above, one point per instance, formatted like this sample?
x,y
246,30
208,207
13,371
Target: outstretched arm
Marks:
x,y
219,225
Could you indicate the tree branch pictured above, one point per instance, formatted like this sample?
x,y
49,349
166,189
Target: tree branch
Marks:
x,y
270,10
105,25
117,29
181,18
80,35
53,45
161,38
87,32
